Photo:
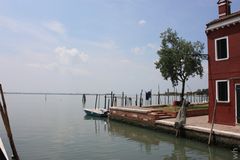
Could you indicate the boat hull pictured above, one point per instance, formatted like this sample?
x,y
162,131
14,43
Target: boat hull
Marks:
x,y
96,112
3,153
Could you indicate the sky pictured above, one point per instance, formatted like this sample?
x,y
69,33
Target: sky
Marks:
x,y
95,46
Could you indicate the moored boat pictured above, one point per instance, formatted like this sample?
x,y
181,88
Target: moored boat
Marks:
x,y
3,153
96,112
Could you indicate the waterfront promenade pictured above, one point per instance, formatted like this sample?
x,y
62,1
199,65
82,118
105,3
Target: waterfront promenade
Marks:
x,y
201,123
196,127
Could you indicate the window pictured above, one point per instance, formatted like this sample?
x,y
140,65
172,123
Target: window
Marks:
x,y
221,48
222,91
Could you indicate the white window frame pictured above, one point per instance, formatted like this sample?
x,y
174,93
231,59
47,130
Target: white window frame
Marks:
x,y
216,55
228,85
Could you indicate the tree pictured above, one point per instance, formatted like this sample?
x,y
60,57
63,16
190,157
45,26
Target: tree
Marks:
x,y
179,59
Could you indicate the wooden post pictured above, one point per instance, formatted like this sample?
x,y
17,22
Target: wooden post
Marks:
x,y
45,98
99,101
176,95
191,97
151,98
125,100
122,102
168,96
141,99
96,101
213,119
115,101
136,101
158,97
108,103
194,98
130,101
105,101
165,101
111,99
4,113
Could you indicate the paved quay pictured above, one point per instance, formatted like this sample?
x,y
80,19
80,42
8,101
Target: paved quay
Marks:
x,y
196,128
200,123
199,129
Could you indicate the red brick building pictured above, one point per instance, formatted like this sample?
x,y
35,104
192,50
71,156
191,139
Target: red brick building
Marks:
x,y
224,65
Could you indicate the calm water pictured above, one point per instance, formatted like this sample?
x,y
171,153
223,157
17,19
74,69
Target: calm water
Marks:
x,y
57,129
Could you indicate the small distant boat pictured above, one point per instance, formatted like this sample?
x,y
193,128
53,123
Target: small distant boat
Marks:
x,y
3,153
96,112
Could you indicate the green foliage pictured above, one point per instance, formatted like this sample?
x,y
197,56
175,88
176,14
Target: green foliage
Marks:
x,y
179,59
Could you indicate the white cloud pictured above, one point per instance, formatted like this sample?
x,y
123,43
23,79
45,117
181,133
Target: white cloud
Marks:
x,y
65,61
83,56
142,22
150,47
55,67
125,61
68,56
75,71
50,66
110,44
55,26
137,50
8,23
35,32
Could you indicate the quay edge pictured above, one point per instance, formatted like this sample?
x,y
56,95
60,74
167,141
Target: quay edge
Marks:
x,y
143,118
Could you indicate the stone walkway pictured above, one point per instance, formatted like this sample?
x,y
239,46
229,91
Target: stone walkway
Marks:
x,y
201,124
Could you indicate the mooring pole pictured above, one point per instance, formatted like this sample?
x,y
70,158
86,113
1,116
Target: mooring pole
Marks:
x,y
141,99
96,101
158,97
165,102
215,105
4,113
191,97
151,98
99,101
108,103
168,96
122,102
115,101
213,119
136,101
111,99
125,100
105,101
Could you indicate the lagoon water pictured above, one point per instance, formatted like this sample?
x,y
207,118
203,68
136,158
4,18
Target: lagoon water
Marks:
x,y
56,128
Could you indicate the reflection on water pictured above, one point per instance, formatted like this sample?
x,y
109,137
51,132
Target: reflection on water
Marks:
x,y
56,128
149,141
99,123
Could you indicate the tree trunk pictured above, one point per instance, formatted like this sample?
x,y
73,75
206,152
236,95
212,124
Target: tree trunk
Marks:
x,y
183,90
